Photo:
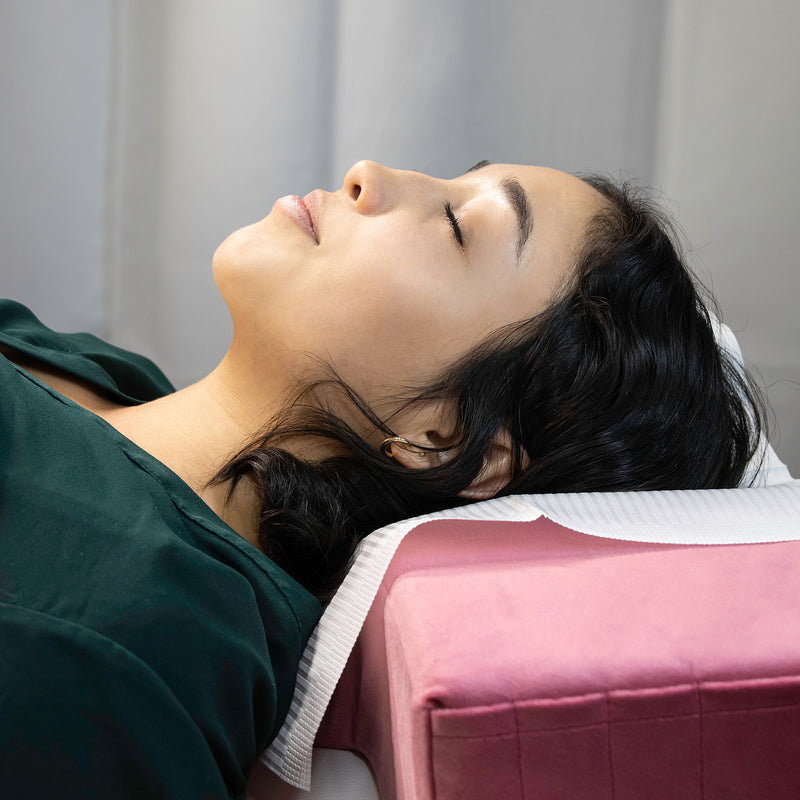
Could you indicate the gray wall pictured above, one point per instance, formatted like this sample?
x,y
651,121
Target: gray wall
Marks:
x,y
55,74
137,134
729,158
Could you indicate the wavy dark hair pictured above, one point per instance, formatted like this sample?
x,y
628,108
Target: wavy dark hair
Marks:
x,y
619,385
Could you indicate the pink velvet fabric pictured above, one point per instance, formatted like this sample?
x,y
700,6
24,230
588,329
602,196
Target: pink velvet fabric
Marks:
x,y
524,660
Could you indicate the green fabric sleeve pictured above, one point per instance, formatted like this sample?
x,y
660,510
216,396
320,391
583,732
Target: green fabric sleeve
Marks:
x,y
83,718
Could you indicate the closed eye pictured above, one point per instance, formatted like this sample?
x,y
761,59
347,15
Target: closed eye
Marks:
x,y
454,224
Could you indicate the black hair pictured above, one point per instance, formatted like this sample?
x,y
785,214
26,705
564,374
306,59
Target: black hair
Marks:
x,y
619,385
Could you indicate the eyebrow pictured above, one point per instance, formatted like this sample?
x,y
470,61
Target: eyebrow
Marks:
x,y
517,198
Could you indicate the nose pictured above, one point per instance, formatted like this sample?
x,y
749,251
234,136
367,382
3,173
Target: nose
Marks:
x,y
371,186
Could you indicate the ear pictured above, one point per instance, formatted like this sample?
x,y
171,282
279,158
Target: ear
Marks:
x,y
413,455
496,470
427,428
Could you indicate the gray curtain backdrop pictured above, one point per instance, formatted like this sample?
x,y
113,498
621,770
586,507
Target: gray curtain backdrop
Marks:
x,y
136,134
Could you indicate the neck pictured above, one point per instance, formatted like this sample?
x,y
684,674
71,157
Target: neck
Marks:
x,y
195,432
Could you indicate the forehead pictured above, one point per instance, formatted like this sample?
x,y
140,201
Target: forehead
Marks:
x,y
545,185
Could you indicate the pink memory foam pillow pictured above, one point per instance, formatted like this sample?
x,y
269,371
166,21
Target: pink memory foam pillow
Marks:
x,y
525,659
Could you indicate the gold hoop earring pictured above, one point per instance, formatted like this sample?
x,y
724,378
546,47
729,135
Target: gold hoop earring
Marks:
x,y
386,446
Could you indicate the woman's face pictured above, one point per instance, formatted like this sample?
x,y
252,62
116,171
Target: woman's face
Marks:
x,y
401,273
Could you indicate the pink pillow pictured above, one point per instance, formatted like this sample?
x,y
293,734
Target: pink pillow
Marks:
x,y
527,660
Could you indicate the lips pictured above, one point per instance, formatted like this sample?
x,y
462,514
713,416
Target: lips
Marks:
x,y
303,212
312,203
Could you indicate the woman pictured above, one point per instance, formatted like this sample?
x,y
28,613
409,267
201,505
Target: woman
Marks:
x,y
400,345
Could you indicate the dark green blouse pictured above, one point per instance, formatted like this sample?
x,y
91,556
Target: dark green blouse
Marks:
x,y
146,649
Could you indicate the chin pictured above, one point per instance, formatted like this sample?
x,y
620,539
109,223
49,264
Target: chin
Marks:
x,y
251,269
237,250
227,263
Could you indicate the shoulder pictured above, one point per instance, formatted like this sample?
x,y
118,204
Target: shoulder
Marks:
x,y
126,375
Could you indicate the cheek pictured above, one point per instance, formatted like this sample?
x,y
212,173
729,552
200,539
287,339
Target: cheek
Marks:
x,y
393,320
382,330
